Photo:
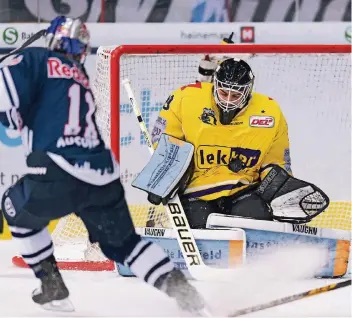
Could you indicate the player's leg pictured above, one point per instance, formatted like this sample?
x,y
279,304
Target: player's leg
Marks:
x,y
28,207
108,221
246,203
197,211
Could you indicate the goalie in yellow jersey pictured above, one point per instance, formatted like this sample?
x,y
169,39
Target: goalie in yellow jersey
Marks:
x,y
241,159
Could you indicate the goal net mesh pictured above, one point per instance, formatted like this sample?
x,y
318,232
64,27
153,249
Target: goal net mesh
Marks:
x,y
313,90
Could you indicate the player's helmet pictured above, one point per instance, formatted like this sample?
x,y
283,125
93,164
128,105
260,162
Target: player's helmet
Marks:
x,y
68,36
233,84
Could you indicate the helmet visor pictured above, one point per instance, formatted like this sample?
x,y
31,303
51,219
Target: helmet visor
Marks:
x,y
229,97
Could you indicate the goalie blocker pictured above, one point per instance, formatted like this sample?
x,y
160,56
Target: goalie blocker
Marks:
x,y
278,197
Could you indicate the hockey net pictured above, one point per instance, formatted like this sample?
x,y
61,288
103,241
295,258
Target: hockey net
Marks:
x,y
311,84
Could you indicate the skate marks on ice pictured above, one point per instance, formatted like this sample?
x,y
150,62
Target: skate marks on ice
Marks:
x,y
278,273
92,294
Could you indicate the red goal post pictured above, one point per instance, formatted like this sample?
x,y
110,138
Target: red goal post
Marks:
x,y
310,82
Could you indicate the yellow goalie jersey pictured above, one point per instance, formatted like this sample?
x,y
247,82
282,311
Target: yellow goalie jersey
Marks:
x,y
258,136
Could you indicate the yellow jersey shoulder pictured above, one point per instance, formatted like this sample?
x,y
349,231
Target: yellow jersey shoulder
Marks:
x,y
264,104
196,89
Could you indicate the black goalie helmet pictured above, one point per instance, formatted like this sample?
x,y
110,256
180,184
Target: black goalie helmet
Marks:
x,y
233,84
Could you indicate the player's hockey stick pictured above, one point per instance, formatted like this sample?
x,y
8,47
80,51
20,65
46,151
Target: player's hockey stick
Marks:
x,y
32,39
288,299
178,219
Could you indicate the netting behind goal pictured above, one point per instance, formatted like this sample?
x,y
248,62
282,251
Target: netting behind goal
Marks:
x,y
311,84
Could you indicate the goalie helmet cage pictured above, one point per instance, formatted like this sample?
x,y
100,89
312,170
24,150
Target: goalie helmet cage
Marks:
x,y
310,82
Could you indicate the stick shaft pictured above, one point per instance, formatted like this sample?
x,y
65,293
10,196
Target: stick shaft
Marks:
x,y
35,37
288,299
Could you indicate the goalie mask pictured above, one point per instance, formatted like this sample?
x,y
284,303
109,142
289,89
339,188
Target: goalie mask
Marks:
x,y
233,84
68,36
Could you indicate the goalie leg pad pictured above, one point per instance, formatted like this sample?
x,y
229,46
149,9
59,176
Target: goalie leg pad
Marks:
x,y
161,177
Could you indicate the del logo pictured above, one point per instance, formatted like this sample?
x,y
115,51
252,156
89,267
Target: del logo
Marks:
x,y
208,116
261,121
211,156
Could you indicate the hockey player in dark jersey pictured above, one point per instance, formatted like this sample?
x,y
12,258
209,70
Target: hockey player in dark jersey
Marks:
x,y
45,94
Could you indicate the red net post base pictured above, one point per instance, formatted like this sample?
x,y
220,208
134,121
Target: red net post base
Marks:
x,y
75,266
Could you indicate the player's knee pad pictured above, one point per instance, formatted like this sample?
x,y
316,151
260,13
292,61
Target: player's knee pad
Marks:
x,y
14,206
120,253
250,205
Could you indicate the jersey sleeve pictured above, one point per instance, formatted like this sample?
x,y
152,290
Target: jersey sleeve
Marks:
x,y
20,78
169,120
279,152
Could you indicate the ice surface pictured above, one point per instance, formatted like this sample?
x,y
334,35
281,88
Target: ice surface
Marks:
x,y
107,295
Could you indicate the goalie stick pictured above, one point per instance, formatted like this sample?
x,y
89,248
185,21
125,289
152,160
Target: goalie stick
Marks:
x,y
178,219
288,299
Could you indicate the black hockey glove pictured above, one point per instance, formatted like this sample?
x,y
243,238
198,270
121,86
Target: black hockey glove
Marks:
x,y
292,200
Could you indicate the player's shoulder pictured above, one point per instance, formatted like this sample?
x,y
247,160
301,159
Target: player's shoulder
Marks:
x,y
34,53
264,101
42,54
194,89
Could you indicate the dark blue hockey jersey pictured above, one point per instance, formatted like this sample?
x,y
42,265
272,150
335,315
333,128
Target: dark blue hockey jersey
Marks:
x,y
47,97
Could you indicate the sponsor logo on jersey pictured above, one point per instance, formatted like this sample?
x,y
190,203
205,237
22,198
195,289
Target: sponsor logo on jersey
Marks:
x,y
58,69
211,156
208,116
158,129
235,123
261,121
304,229
154,232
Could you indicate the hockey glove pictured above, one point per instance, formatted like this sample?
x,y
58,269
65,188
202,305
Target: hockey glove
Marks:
x,y
292,200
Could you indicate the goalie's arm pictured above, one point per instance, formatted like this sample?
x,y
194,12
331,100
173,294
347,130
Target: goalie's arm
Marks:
x,y
170,119
279,152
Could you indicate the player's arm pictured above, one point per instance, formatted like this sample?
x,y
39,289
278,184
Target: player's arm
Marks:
x,y
18,84
291,199
279,153
169,120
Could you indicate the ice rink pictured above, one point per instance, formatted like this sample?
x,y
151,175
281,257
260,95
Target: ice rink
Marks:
x,y
107,295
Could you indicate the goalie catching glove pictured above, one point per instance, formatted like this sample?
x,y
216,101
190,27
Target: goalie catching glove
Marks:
x,y
292,200
168,170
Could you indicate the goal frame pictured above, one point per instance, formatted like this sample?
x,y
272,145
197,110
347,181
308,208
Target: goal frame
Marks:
x,y
119,51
